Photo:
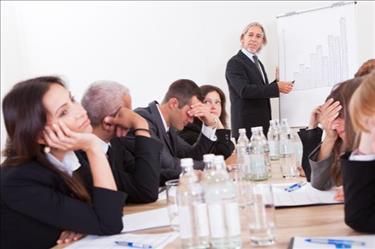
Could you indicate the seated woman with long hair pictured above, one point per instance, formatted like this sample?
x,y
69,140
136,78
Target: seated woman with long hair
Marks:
x,y
214,99
358,166
42,199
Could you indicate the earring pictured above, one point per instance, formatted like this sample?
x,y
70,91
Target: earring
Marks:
x,y
47,149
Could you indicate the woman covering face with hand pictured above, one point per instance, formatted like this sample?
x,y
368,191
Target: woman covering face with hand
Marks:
x,y
214,100
41,199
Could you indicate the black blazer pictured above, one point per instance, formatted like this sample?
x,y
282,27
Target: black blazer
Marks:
x,y
359,189
36,206
135,166
310,140
249,95
174,147
222,146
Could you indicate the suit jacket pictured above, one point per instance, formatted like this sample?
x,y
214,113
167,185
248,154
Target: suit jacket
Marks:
x,y
359,189
222,146
174,147
36,206
249,95
310,140
135,166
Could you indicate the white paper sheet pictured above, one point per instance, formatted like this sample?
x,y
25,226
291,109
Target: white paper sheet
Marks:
x,y
145,220
306,195
157,241
361,242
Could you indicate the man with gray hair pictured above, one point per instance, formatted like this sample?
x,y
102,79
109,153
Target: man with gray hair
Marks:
x,y
249,88
135,163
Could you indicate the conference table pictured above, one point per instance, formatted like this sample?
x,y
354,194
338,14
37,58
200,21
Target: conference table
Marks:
x,y
305,221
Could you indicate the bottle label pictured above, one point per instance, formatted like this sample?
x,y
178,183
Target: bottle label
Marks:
x,y
202,219
232,218
184,219
216,220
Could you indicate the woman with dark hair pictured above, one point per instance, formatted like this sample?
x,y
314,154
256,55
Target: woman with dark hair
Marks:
x,y
214,98
42,199
334,117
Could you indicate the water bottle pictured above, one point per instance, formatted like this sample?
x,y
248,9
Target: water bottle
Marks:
x,y
192,209
242,153
208,160
287,152
223,210
266,148
273,140
258,166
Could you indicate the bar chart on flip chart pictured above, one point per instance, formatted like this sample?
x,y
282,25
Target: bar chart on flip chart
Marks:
x,y
317,49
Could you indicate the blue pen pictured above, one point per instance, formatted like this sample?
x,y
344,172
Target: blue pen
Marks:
x,y
339,243
294,186
133,244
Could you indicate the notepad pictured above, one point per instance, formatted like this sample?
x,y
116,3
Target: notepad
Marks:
x,y
304,196
145,220
359,242
157,241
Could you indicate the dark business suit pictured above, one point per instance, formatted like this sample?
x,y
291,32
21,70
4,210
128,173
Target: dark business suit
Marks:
x,y
249,94
359,189
135,166
222,146
36,206
174,147
310,138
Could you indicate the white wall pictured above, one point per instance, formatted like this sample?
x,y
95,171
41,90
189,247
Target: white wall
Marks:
x,y
144,45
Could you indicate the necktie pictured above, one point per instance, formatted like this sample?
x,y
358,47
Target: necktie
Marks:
x,y
256,62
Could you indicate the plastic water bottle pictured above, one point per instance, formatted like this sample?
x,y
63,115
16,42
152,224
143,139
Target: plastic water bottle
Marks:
x,y
223,210
259,170
242,153
273,140
192,209
287,152
266,148
208,160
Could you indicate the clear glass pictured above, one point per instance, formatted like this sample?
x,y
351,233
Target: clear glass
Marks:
x,y
261,215
171,190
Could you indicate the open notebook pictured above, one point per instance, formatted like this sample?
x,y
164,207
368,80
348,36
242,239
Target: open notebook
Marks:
x,y
304,196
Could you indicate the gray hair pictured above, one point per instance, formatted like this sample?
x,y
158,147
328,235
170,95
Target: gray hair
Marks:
x,y
256,24
103,98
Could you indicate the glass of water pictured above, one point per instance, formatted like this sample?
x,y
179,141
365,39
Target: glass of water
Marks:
x,y
171,190
261,215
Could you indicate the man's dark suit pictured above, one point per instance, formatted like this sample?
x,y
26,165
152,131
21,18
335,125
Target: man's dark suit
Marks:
x,y
174,147
135,165
36,206
249,95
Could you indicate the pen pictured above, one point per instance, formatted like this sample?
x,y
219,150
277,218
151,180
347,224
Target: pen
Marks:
x,y
294,186
133,244
339,243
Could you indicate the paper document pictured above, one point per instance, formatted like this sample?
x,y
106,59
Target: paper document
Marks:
x,y
155,241
303,196
354,242
145,220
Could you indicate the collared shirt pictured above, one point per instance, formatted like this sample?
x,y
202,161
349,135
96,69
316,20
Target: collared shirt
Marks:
x,y
359,157
250,56
69,164
104,145
207,131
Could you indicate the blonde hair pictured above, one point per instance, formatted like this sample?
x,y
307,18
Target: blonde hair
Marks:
x,y
362,103
255,24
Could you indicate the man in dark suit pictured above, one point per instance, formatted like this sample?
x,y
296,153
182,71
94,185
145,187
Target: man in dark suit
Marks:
x,y
249,88
135,162
178,108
